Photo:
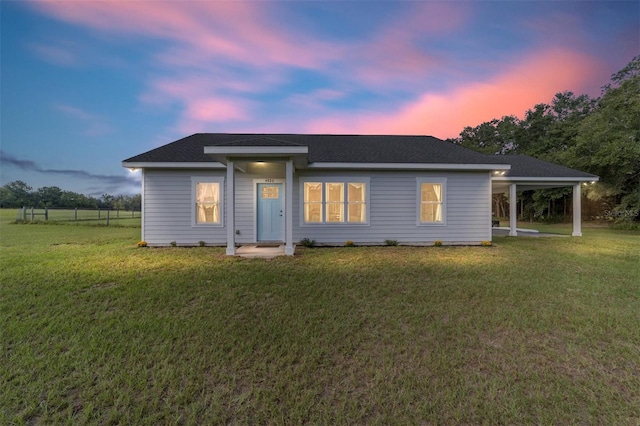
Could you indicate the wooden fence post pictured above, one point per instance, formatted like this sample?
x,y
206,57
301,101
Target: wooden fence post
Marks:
x,y
75,214
98,213
24,213
46,213
32,214
108,217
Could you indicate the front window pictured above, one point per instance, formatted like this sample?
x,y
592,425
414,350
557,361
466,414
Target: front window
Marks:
x,y
431,202
335,202
357,207
313,202
207,201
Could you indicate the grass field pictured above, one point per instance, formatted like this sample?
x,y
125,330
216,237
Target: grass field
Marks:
x,y
73,217
529,331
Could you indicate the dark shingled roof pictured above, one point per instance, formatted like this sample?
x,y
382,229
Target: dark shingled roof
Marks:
x,y
357,149
323,148
525,166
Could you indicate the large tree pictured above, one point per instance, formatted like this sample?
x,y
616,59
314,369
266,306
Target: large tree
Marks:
x,y
492,137
16,194
608,140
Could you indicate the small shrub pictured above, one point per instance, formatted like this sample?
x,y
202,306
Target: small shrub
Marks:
x,y
486,244
306,242
202,243
142,244
173,244
437,243
349,243
391,242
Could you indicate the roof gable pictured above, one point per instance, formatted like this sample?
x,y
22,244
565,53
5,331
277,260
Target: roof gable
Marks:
x,y
258,141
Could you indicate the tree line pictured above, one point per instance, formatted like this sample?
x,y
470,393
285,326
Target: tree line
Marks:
x,y
596,135
18,194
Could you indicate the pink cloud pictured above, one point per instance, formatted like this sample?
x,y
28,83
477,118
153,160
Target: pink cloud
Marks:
x,y
535,79
215,110
396,54
234,30
218,55
201,105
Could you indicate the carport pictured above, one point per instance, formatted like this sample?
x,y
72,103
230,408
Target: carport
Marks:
x,y
528,173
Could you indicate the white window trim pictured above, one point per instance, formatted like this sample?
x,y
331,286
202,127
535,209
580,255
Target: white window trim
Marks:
x,y
336,179
419,182
195,180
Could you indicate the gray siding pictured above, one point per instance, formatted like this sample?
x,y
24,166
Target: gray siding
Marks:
x,y
168,211
392,210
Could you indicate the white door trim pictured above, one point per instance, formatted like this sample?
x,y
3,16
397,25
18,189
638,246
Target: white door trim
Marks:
x,y
255,204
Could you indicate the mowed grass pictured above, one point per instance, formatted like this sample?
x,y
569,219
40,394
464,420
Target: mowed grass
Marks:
x,y
529,331
71,217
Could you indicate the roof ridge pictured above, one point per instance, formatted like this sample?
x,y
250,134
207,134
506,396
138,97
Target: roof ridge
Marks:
x,y
267,137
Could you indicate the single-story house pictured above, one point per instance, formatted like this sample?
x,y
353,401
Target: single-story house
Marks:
x,y
235,189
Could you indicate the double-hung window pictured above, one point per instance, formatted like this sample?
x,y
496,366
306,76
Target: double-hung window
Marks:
x,y
431,201
207,195
335,201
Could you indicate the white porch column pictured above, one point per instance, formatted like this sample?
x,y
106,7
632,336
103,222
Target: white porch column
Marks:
x,y
231,208
577,211
288,209
512,210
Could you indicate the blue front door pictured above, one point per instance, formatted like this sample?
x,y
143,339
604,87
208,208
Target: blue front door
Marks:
x,y
270,214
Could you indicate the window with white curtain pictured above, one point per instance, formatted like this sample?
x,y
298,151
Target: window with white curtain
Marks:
x,y
313,202
334,196
335,201
207,201
431,209
356,207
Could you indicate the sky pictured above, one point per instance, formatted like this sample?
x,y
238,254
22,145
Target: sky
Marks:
x,y
87,84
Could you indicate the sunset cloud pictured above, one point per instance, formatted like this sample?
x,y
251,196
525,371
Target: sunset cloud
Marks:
x,y
240,31
536,79
222,58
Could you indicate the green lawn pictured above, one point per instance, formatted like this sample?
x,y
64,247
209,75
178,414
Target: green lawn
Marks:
x,y
73,217
529,331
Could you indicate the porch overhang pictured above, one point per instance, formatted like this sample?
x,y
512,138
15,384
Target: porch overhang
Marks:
x,y
511,185
232,164
298,154
501,184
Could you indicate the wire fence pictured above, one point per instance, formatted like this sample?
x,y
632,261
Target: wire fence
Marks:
x,y
99,216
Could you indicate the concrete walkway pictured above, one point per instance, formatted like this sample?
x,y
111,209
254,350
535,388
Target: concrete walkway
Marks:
x,y
522,232
255,250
